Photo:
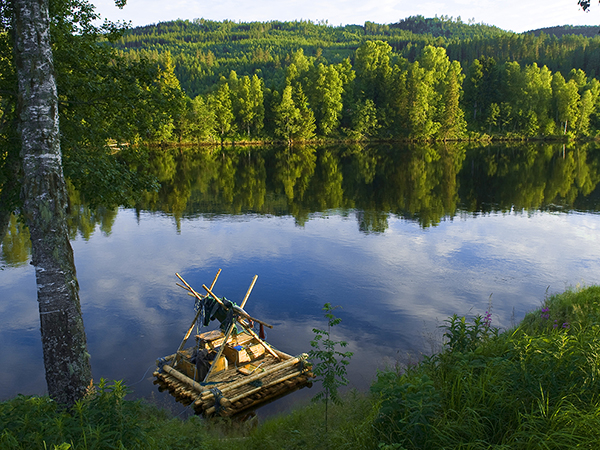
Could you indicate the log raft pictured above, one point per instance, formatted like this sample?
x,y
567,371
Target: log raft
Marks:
x,y
226,373
242,385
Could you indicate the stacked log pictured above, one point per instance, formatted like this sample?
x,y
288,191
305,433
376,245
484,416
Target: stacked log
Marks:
x,y
230,392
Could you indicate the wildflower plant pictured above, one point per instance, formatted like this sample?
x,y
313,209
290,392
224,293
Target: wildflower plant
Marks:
x,y
545,316
545,313
464,336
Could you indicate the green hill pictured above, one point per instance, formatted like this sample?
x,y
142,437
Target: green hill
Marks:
x,y
419,78
589,31
204,50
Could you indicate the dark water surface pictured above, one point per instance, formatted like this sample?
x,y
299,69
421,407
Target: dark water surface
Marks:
x,y
401,238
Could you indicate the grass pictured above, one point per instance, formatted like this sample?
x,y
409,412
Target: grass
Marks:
x,y
534,386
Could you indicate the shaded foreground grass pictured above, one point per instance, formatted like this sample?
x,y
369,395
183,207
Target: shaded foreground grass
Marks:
x,y
534,386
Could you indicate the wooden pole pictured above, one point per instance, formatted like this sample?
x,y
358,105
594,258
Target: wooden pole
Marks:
x,y
277,392
263,343
221,348
258,376
239,397
217,299
187,335
187,286
198,296
271,383
184,378
248,293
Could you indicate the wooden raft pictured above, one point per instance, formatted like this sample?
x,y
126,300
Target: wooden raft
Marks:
x,y
244,377
227,373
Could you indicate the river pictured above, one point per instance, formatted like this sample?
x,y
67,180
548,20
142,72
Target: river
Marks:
x,y
400,237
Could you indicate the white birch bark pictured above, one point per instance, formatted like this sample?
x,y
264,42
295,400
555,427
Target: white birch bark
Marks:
x,y
44,194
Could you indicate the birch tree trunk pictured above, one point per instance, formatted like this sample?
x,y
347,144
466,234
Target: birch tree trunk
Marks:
x,y
66,360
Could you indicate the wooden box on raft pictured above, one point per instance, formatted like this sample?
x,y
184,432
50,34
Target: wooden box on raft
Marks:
x,y
246,375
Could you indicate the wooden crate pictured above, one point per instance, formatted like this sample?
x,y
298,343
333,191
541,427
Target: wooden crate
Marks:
x,y
241,354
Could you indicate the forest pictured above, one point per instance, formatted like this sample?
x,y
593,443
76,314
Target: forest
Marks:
x,y
418,79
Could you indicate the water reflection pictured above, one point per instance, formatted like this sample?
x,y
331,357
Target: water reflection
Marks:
x,y
400,237
529,177
422,183
16,245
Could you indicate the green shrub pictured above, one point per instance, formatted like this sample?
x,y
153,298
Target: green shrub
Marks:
x,y
103,420
536,386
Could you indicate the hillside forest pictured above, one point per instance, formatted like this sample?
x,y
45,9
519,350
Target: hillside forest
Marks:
x,y
418,79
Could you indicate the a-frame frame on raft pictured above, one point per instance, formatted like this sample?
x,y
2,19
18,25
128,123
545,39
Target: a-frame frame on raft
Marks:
x,y
231,369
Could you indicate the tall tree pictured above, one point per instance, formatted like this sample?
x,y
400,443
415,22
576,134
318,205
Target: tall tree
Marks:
x,y
326,90
68,370
566,99
452,117
202,119
481,86
287,116
62,71
170,116
538,98
248,104
372,63
257,100
293,119
222,106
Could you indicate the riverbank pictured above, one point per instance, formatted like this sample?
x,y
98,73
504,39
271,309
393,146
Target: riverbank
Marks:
x,y
535,385
471,137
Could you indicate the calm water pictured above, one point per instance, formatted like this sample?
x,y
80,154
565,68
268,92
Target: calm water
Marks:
x,y
401,238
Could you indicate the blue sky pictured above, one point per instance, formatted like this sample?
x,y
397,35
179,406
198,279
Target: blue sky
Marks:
x,y
514,15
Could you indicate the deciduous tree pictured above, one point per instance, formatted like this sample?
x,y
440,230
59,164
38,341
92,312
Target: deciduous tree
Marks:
x,y
67,363
63,72
222,106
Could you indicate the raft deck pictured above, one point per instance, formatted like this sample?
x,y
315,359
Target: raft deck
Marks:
x,y
246,375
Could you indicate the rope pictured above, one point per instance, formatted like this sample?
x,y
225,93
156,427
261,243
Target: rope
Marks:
x,y
303,364
161,362
146,373
218,396
188,407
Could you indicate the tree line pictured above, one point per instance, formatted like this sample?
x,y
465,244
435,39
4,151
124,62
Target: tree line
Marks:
x,y
205,50
378,94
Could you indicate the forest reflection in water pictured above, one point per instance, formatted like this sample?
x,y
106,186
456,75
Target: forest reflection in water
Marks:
x,y
399,237
424,183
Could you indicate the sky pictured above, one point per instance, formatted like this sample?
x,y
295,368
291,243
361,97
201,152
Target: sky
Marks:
x,y
512,15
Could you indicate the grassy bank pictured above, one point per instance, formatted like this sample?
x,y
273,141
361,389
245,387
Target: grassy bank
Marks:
x,y
534,386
